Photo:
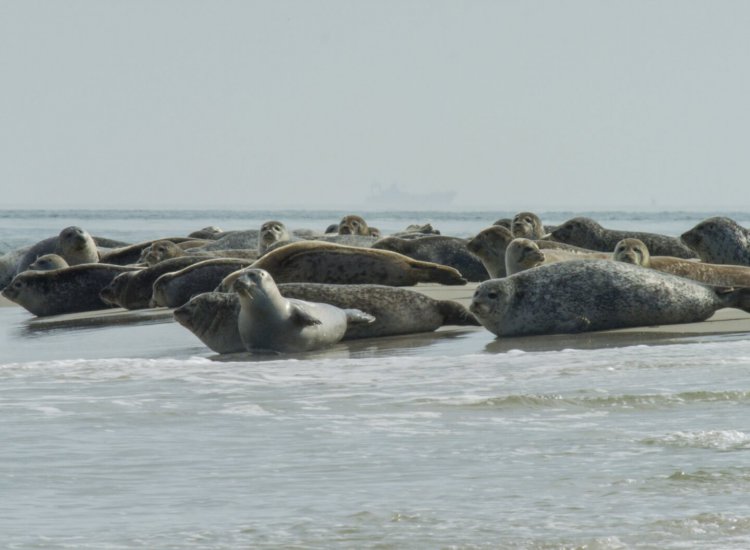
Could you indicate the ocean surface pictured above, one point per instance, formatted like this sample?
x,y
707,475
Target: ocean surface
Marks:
x,y
138,436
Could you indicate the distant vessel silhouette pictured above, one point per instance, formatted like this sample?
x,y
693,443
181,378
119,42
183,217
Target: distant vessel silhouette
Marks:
x,y
394,198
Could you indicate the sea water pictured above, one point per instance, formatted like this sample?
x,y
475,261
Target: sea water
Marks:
x,y
138,436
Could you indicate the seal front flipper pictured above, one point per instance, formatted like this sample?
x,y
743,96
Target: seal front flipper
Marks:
x,y
576,323
303,317
357,316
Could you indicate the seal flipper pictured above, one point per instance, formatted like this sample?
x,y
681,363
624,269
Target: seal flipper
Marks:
x,y
738,297
303,317
577,323
358,317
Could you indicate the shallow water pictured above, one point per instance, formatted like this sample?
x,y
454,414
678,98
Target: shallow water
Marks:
x,y
137,436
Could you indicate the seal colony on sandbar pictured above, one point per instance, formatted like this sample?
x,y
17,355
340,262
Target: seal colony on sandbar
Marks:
x,y
291,291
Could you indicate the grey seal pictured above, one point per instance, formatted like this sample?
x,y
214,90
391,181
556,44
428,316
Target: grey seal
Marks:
x,y
132,253
587,233
719,240
527,225
67,290
48,262
320,262
174,288
134,290
523,254
272,233
267,320
587,295
356,225
439,249
491,243
634,251
73,243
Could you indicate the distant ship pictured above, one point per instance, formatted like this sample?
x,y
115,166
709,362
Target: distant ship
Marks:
x,y
393,198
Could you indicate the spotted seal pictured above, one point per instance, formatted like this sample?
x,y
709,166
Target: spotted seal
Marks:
x,y
356,225
523,254
587,233
491,243
527,225
439,249
634,251
134,290
267,320
212,316
272,233
174,288
718,240
587,295
320,262
48,262
67,290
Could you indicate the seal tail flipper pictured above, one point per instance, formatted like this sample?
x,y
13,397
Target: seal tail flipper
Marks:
x,y
456,314
358,317
738,297
437,273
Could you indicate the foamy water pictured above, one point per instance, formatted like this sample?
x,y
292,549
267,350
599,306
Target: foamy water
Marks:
x,y
137,436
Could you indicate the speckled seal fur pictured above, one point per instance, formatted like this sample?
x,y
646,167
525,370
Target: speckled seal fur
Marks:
x,y
527,225
319,262
633,251
719,240
587,295
439,249
523,254
587,233
68,290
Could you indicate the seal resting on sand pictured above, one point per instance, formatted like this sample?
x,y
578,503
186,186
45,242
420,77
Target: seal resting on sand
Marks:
x,y
523,254
268,321
212,316
633,251
587,233
67,290
320,262
587,295
719,240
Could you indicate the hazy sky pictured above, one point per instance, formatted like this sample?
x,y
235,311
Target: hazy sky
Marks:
x,y
558,105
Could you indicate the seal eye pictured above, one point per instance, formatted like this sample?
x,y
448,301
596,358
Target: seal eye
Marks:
x,y
492,295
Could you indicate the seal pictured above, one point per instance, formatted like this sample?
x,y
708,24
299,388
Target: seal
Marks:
x,y
48,262
527,225
439,249
587,295
133,253
158,251
719,240
271,233
634,251
134,290
491,243
174,288
210,233
267,320
321,262
68,290
356,225
212,316
77,247
523,254
587,233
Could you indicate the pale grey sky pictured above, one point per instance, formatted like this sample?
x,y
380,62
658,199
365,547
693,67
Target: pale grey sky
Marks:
x,y
285,104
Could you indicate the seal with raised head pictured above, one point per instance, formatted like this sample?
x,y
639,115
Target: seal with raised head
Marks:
x,y
439,249
67,290
321,262
48,262
587,233
719,240
212,316
267,320
527,225
523,254
272,233
176,287
634,251
491,243
356,225
587,295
